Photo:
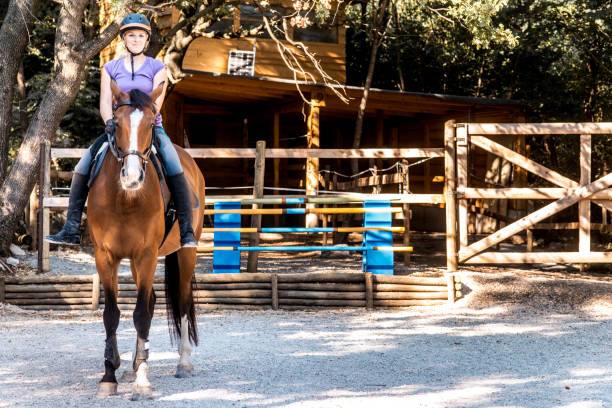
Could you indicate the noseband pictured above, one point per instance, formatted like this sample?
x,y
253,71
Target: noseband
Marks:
x,y
119,154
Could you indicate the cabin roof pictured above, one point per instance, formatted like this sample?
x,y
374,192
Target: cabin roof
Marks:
x,y
276,93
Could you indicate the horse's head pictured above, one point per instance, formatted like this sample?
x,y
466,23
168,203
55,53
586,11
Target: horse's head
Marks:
x,y
134,116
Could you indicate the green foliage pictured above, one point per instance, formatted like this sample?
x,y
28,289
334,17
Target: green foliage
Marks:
x,y
553,55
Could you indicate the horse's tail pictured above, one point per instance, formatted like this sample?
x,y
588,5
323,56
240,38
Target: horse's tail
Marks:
x,y
173,301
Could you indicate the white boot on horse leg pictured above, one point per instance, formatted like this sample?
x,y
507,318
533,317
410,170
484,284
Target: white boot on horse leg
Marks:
x,y
184,368
141,389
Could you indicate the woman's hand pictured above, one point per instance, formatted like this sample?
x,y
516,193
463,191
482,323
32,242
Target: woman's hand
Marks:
x,y
109,129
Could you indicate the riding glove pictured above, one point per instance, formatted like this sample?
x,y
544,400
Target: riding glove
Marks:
x,y
109,129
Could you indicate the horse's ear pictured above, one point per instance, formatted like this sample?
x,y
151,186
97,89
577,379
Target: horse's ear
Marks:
x,y
118,94
157,91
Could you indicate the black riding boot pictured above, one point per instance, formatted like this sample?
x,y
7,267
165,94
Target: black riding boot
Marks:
x,y
70,235
181,195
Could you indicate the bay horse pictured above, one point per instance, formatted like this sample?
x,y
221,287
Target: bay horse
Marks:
x,y
126,221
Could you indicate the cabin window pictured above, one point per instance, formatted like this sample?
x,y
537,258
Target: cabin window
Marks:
x,y
325,32
225,26
251,21
316,33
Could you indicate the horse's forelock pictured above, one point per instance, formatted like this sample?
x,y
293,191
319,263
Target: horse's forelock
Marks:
x,y
141,100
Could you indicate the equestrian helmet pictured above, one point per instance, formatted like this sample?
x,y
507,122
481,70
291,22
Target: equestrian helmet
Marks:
x,y
135,22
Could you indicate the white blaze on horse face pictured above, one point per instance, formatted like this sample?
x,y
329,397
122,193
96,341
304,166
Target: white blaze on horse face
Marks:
x,y
132,165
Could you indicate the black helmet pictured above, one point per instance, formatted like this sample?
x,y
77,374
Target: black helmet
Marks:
x,y
135,21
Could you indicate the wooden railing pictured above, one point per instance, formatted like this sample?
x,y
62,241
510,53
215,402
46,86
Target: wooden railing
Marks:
x,y
50,203
459,138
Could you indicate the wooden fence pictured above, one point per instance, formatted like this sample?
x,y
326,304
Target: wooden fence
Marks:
x,y
241,291
459,138
51,203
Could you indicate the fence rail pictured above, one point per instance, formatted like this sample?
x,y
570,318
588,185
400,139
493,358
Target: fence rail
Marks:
x,y
241,291
459,141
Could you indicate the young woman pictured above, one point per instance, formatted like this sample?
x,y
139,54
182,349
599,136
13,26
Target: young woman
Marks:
x,y
133,71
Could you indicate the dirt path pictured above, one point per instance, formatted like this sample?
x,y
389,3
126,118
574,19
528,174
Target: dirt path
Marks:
x,y
504,354
539,337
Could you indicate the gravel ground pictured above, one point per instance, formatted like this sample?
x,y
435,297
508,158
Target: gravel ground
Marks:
x,y
448,356
539,337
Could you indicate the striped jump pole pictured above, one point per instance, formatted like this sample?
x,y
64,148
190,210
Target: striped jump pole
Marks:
x,y
291,200
304,248
284,230
302,211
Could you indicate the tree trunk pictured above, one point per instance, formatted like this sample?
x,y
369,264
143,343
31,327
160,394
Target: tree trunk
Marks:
x,y
72,53
378,32
14,33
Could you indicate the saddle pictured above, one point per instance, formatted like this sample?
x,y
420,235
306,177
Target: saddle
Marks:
x,y
100,147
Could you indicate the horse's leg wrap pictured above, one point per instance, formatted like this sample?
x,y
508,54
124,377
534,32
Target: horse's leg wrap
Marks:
x,y
111,351
141,353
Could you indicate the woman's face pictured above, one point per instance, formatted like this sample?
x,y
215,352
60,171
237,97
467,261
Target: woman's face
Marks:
x,y
135,40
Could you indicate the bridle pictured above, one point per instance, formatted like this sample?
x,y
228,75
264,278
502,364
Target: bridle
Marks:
x,y
119,154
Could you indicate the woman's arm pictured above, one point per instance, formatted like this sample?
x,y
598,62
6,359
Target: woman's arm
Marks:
x,y
106,97
160,77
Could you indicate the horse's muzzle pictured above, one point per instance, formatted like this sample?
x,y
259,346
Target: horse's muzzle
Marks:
x,y
132,178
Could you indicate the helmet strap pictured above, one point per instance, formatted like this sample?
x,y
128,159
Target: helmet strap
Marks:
x,y
132,61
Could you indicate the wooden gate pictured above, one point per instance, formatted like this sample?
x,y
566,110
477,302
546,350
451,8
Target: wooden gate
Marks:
x,y
459,138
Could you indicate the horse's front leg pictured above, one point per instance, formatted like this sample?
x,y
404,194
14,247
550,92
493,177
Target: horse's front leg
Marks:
x,y
143,269
107,269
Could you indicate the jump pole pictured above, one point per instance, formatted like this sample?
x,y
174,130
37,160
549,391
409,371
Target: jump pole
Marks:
x,y
377,231
304,248
283,230
302,211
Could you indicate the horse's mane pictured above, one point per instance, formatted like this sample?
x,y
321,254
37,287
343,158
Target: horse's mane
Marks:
x,y
141,100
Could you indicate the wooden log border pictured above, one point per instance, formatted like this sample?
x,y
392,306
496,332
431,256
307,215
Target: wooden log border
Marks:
x,y
241,291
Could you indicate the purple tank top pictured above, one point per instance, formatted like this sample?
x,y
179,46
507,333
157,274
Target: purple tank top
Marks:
x,y
143,76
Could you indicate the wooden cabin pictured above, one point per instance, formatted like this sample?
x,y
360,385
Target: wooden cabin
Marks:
x,y
225,104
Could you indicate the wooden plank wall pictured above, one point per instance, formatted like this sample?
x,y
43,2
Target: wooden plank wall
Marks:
x,y
246,290
210,55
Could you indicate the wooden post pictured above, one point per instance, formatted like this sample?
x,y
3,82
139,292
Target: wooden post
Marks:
x,y
260,168
312,163
95,292
584,206
450,284
334,217
274,287
325,216
276,145
427,163
369,290
529,231
449,195
462,182
44,180
2,290
380,134
604,212
33,217
405,189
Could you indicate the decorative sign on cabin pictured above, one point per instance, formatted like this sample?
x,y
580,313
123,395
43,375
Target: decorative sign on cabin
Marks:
x,y
241,63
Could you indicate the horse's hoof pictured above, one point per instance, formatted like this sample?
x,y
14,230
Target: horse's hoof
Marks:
x,y
107,389
184,371
141,393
